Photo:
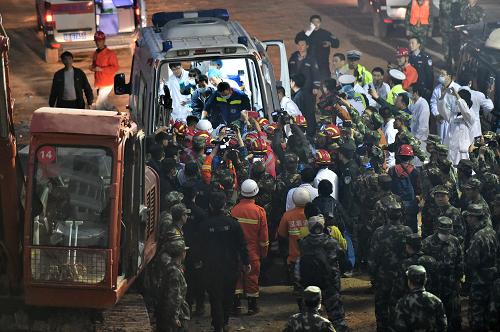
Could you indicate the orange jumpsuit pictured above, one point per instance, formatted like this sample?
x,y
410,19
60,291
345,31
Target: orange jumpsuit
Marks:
x,y
293,226
253,222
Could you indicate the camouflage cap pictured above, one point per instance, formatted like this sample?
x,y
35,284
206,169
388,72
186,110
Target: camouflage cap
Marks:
x,y
475,210
473,183
465,165
414,241
416,274
173,197
490,179
441,189
403,116
312,294
384,178
433,139
441,148
178,210
488,136
377,120
445,225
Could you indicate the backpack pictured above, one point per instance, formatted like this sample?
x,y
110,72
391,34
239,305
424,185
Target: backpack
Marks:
x,y
402,186
314,268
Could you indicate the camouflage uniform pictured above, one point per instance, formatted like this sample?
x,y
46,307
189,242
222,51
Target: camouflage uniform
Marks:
x,y
386,198
419,310
310,320
471,15
449,16
449,257
406,137
172,305
432,212
481,259
475,185
420,30
331,291
386,255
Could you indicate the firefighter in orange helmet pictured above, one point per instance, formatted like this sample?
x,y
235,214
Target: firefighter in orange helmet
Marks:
x,y
253,221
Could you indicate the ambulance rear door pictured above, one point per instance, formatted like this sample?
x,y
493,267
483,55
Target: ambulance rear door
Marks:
x,y
277,54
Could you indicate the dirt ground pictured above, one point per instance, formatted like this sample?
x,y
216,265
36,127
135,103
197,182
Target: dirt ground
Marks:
x,y
280,19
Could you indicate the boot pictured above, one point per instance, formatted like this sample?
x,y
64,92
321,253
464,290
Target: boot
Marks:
x,y
252,306
236,311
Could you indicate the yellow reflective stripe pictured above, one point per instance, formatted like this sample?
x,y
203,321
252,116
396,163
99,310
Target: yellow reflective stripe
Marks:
x,y
264,244
206,167
223,100
235,102
248,221
294,232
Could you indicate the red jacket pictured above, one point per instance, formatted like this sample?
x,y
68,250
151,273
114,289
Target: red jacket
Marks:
x,y
253,222
411,76
107,61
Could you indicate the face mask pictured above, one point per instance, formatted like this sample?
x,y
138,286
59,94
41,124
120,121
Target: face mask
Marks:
x,y
192,81
442,79
443,237
226,97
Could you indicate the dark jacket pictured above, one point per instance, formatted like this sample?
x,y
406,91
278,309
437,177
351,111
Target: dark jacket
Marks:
x,y
307,67
306,102
81,85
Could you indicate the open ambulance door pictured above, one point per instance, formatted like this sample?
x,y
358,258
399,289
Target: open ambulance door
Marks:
x,y
277,54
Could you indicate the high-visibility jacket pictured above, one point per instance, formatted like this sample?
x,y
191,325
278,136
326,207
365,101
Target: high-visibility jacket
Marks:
x,y
293,226
420,14
107,61
253,222
395,91
363,75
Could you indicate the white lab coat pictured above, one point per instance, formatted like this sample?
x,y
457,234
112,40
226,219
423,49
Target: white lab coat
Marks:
x,y
390,136
442,128
179,112
419,125
328,174
479,101
459,136
289,201
289,106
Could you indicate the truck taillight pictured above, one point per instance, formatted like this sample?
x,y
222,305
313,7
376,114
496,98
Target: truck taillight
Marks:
x,y
137,13
50,21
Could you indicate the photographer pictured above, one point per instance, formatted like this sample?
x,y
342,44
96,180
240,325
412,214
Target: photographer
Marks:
x,y
484,151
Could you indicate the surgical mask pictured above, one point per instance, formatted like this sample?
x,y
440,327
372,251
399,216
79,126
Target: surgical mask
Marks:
x,y
443,237
442,79
226,97
192,81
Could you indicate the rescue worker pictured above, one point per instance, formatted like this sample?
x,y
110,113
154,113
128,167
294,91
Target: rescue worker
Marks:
x,y
68,86
104,65
319,262
200,96
362,75
303,62
396,83
225,105
419,310
224,251
418,20
447,251
253,222
323,161
422,62
310,320
307,178
384,263
481,258
411,75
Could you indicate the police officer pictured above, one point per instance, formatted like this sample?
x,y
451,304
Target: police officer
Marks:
x,y
362,75
423,64
447,251
310,320
419,310
396,83
303,62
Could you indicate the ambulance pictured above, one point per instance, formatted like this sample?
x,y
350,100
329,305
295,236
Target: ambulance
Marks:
x,y
198,40
69,25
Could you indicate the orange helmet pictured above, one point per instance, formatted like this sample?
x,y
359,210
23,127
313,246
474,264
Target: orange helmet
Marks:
x,y
300,121
181,127
331,131
262,121
259,146
99,35
205,135
271,128
405,150
322,157
250,137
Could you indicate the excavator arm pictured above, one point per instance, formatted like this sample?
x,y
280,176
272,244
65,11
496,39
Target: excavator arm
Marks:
x,y
10,181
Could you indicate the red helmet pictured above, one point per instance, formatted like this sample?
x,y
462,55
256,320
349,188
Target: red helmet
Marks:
x,y
402,51
271,128
259,146
262,121
181,127
331,131
250,137
205,135
405,150
99,35
300,121
322,157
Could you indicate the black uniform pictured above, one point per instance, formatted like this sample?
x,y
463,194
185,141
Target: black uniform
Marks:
x,y
316,40
423,64
307,67
224,250
305,101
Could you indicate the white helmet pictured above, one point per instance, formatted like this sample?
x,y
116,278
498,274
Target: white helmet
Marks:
x,y
249,188
493,40
204,124
301,197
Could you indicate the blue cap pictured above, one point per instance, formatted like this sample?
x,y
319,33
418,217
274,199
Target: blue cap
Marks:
x,y
213,72
217,62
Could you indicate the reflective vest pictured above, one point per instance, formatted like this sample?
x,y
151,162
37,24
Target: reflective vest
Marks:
x,y
395,91
420,13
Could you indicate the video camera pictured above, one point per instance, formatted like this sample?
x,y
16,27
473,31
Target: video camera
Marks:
x,y
281,115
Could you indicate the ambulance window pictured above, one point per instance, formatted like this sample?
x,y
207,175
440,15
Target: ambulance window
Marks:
x,y
256,97
270,84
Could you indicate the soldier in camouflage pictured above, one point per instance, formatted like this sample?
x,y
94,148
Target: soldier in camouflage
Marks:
x,y
495,214
471,194
310,320
172,310
449,16
448,173
419,310
404,136
386,198
386,256
267,187
481,260
471,12
447,251
442,207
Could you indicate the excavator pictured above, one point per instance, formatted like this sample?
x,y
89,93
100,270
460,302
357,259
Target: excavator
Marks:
x,y
78,223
